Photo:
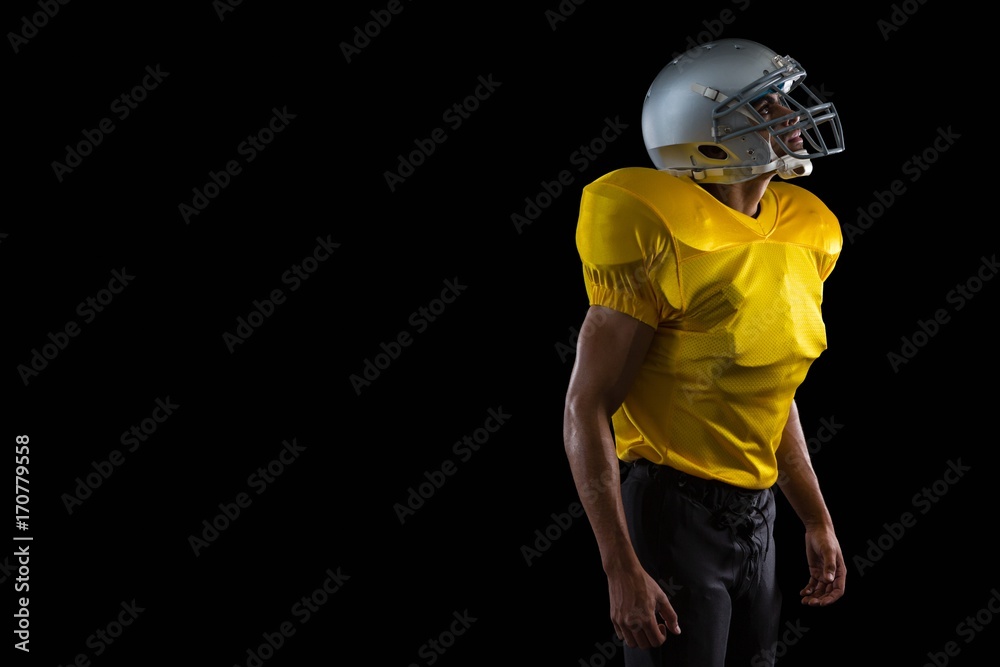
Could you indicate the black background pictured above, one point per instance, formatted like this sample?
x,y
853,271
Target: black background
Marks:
x,y
899,82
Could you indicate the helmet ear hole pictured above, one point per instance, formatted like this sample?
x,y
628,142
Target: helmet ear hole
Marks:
x,y
712,152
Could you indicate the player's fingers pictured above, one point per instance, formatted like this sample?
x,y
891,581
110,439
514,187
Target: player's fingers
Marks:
x,y
649,635
669,616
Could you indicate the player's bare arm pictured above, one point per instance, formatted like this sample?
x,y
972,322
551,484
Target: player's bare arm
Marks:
x,y
797,481
610,349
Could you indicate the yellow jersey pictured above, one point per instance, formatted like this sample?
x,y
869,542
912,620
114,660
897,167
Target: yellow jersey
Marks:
x,y
736,305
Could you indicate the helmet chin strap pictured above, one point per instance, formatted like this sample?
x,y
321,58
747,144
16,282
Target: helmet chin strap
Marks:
x,y
793,167
787,167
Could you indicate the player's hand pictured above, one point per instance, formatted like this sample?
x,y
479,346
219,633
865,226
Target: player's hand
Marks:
x,y
827,571
640,610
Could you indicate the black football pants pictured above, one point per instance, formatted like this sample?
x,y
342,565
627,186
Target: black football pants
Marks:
x,y
711,547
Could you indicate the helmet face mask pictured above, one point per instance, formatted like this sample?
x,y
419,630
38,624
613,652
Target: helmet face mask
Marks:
x,y
700,117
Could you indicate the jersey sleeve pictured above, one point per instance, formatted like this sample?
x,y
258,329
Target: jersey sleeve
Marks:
x,y
829,259
627,253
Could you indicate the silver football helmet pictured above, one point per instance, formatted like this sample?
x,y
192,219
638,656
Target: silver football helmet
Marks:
x,y
699,118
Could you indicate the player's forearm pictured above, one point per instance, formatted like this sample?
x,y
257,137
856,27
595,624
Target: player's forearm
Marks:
x,y
797,478
590,449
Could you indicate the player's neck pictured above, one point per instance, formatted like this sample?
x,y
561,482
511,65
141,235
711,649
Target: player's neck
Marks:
x,y
743,197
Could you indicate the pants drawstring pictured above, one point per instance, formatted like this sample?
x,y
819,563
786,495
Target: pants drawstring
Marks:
x,y
737,515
